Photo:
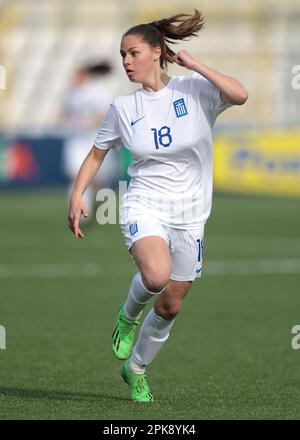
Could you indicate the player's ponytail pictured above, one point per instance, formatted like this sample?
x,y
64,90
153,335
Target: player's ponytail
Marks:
x,y
165,30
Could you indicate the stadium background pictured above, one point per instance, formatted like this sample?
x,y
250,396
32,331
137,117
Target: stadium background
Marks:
x,y
230,354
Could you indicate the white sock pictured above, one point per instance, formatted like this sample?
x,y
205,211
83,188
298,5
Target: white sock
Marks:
x,y
138,297
153,334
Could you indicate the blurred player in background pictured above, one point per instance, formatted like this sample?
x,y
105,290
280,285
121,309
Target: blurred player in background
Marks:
x,y
167,126
86,104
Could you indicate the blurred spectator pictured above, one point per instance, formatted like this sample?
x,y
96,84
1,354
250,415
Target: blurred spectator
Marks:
x,y
86,104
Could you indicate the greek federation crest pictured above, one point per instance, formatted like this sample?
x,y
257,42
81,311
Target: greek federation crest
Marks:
x,y
180,108
133,228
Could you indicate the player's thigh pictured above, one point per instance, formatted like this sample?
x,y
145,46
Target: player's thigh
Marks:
x,y
151,255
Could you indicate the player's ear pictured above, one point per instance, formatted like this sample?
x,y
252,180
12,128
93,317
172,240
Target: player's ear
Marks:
x,y
156,53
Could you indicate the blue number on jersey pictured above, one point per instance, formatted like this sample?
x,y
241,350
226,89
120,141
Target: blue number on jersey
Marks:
x,y
162,137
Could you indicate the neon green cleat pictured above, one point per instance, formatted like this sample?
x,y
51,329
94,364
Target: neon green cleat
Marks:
x,y
139,388
123,335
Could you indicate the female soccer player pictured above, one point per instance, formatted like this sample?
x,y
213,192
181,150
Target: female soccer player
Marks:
x,y
167,126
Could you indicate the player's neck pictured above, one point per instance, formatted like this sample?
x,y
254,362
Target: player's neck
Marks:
x,y
156,82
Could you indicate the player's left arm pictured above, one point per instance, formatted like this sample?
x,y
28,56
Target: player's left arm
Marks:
x,y
231,90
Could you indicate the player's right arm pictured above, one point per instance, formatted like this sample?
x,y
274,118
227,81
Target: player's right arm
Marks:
x,y
87,171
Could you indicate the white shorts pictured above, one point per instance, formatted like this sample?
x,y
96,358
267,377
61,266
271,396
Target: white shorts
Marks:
x,y
185,246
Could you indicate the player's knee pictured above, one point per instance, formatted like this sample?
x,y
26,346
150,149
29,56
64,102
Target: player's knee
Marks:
x,y
155,281
168,310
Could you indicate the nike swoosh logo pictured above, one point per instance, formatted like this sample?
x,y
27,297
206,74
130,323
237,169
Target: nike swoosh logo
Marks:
x,y
134,122
198,270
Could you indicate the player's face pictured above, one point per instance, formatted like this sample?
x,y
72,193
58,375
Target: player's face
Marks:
x,y
138,58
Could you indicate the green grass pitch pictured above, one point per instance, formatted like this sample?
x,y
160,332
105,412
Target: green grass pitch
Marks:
x,y
229,355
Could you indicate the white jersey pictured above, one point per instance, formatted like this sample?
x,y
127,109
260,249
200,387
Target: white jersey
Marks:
x,y
84,103
169,134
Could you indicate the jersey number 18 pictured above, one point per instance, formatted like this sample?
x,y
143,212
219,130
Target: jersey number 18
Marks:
x,y
162,137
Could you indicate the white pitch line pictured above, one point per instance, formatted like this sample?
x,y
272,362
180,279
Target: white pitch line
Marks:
x,y
246,267
256,239
233,242
50,270
93,270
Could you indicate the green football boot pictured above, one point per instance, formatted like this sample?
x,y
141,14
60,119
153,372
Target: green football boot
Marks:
x,y
139,388
123,335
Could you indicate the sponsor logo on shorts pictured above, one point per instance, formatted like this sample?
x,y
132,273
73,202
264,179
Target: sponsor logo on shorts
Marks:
x,y
198,270
133,228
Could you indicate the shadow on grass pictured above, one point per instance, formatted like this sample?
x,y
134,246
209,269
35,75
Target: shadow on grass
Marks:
x,y
55,394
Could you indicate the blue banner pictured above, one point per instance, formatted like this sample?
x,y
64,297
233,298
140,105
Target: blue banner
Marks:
x,y
30,162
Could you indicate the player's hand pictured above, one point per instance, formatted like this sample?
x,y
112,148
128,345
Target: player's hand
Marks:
x,y
184,59
76,209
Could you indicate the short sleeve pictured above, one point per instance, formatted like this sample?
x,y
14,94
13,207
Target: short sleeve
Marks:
x,y
209,96
108,135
